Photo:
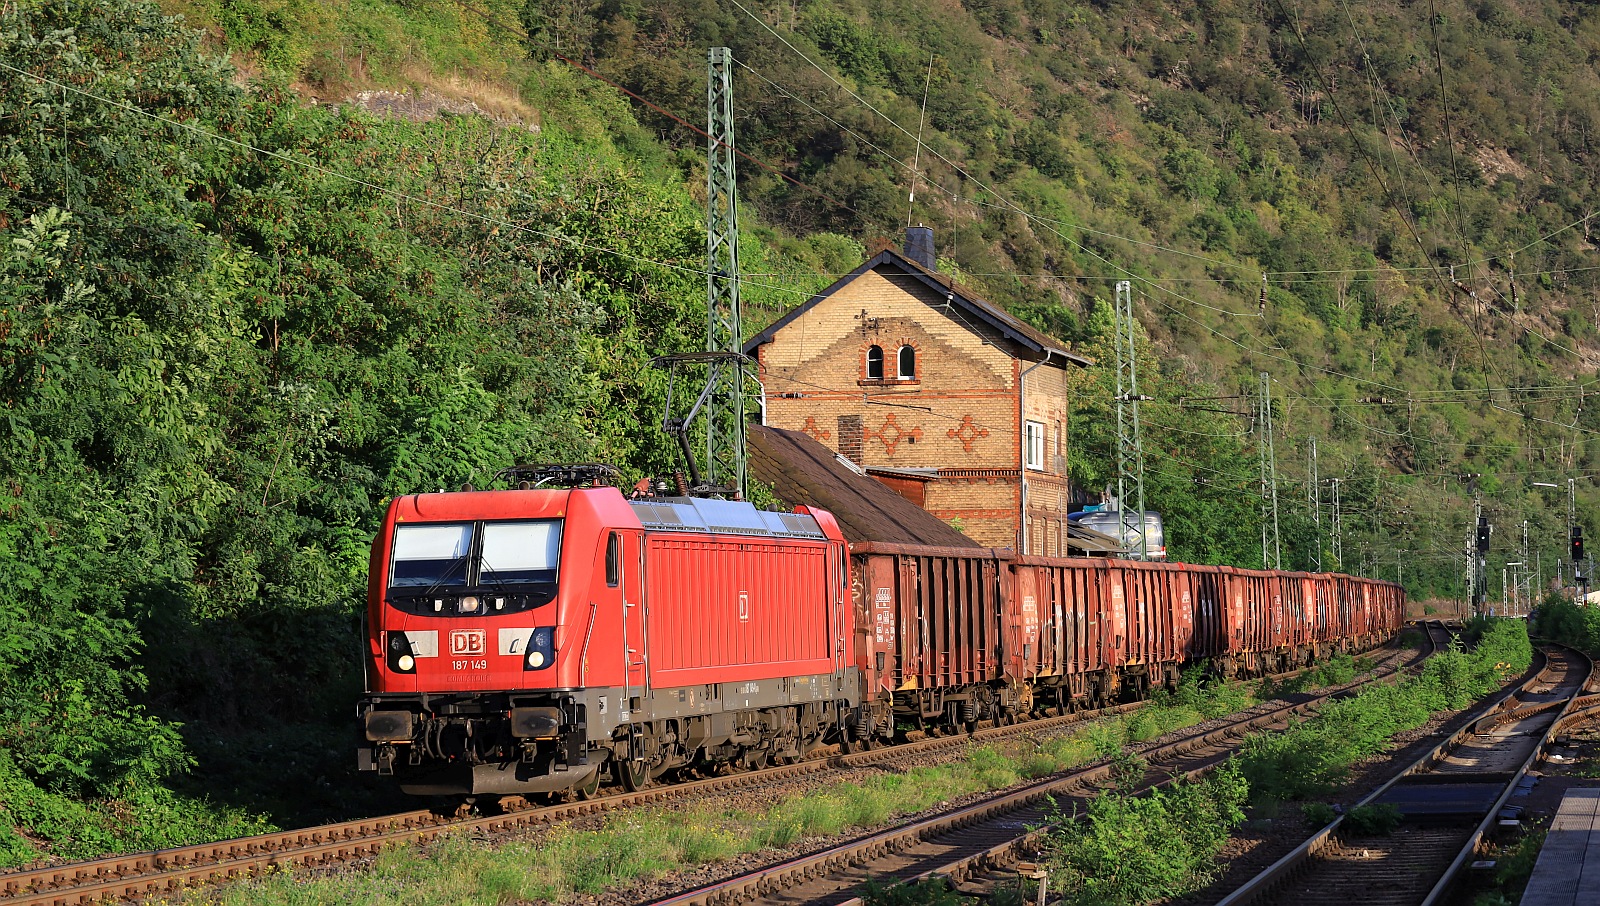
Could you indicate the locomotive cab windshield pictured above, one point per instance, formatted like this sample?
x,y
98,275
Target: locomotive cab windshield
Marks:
x,y
474,568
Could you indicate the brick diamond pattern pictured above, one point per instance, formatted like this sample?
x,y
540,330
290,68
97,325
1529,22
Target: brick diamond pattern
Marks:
x,y
891,433
817,432
967,432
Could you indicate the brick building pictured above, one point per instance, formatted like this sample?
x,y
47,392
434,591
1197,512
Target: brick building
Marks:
x,y
934,391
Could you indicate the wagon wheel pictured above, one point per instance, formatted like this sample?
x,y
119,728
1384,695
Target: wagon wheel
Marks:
x,y
970,727
632,773
589,788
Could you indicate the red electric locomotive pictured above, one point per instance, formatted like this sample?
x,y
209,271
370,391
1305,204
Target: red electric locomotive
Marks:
x,y
532,640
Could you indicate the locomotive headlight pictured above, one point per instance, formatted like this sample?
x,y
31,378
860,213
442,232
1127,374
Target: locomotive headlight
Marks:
x,y
541,649
406,647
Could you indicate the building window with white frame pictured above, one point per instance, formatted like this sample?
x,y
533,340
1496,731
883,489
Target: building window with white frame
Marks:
x,y
908,363
875,363
1033,445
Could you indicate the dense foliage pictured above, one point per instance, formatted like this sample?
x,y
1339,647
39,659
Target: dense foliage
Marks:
x,y
1560,620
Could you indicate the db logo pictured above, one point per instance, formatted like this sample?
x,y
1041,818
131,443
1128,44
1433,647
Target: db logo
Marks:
x,y
467,641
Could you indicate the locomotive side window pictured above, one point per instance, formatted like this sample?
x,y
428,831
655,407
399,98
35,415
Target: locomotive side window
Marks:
x,y
429,555
614,560
520,552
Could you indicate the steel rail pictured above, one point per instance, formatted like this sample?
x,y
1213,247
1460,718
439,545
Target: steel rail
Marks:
x,y
144,874
887,842
1470,849
1499,709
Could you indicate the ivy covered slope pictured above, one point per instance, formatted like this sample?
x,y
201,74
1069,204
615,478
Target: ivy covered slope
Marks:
x,y
231,327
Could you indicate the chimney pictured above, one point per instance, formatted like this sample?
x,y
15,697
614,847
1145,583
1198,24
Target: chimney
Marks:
x,y
919,246
850,439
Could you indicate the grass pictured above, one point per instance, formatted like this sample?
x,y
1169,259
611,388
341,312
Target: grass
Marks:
x,y
338,46
1337,670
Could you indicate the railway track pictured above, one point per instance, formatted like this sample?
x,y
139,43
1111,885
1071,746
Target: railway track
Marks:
x,y
1449,798
155,873
976,838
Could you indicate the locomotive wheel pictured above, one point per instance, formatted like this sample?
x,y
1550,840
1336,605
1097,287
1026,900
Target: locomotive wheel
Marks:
x,y
970,727
632,774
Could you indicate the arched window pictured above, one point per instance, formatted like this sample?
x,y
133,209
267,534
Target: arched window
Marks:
x,y
908,363
875,363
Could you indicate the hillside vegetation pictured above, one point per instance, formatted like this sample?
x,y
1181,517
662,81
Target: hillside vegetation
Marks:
x,y
233,323
1385,208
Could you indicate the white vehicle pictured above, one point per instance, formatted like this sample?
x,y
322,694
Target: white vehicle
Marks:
x,y
1109,522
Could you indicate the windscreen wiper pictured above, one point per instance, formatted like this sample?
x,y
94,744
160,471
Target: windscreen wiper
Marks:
x,y
456,564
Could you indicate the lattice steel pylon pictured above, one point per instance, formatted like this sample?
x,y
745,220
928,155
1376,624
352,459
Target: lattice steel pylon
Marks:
x,y
1314,504
1336,527
725,428
1130,453
1269,480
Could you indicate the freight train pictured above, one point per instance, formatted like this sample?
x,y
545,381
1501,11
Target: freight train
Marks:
x,y
541,640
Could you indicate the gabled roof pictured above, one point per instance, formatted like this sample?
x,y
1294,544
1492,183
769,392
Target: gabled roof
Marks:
x,y
804,471
970,304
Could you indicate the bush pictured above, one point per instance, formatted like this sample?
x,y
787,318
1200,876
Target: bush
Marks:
x,y
1560,620
933,892
1377,819
1134,849
1319,814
